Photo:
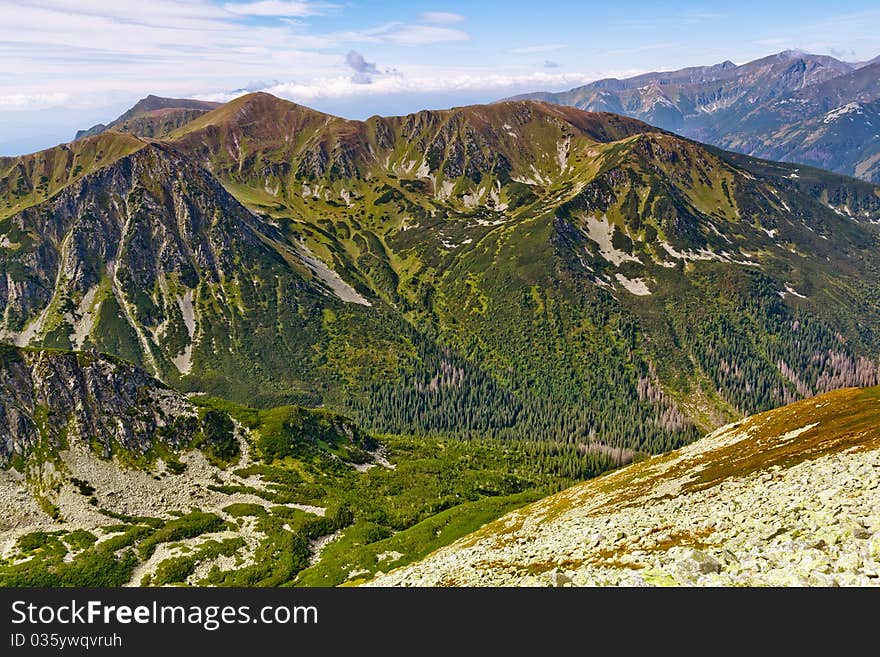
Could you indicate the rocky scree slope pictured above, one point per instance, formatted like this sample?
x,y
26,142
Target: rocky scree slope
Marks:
x,y
60,408
788,497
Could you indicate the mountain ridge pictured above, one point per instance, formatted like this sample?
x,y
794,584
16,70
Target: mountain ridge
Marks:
x,y
421,256
756,108
152,116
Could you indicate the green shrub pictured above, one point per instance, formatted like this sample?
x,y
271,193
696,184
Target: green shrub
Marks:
x,y
188,526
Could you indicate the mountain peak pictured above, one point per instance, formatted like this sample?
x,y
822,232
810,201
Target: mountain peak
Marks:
x,y
262,117
153,116
265,102
153,102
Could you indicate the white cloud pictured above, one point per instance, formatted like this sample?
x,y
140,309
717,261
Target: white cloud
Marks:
x,y
93,47
166,13
546,47
442,17
363,70
32,101
638,49
355,61
92,53
279,8
345,86
405,34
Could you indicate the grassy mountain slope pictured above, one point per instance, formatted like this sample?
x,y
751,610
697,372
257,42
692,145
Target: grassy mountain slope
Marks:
x,y
476,219
787,497
519,269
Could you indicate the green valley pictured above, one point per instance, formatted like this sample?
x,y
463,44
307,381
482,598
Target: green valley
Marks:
x,y
237,496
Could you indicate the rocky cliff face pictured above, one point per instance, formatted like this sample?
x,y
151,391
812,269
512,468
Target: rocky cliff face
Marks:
x,y
50,399
788,497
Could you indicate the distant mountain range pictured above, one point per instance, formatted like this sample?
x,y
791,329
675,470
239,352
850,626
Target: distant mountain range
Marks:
x,y
519,269
791,107
153,116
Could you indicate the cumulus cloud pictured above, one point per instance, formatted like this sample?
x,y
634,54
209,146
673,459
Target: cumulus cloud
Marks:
x,y
356,61
442,17
345,86
257,85
361,67
549,63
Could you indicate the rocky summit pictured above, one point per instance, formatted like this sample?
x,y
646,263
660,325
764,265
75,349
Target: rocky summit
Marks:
x,y
790,497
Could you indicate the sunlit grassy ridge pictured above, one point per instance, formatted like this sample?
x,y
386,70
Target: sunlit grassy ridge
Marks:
x,y
30,179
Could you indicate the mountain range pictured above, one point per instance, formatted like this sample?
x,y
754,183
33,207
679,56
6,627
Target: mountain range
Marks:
x,y
792,107
519,269
278,347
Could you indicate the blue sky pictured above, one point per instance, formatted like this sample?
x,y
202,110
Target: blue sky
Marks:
x,y
68,63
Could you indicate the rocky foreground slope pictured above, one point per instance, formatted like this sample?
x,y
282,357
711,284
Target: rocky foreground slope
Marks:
x,y
787,497
108,477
